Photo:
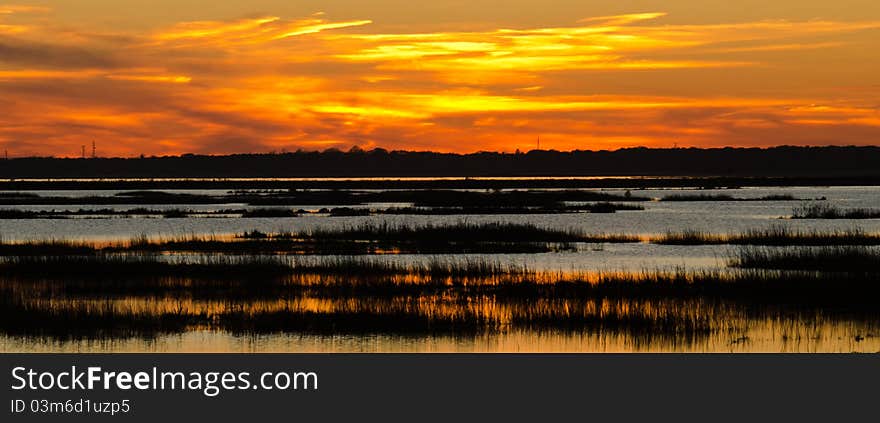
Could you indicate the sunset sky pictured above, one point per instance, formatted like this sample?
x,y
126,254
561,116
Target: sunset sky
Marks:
x,y
160,77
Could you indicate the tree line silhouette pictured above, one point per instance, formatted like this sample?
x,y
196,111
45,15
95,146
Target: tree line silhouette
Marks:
x,y
783,161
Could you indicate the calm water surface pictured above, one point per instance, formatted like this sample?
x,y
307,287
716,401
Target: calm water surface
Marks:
x,y
733,327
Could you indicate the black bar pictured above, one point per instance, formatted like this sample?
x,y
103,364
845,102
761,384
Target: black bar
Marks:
x,y
490,387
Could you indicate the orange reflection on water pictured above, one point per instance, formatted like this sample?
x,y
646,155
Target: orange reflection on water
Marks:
x,y
483,322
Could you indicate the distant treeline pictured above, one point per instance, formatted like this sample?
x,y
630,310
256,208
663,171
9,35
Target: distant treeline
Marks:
x,y
782,161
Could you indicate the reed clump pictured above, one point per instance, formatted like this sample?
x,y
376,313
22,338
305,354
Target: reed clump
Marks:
x,y
726,197
828,211
835,258
141,265
772,236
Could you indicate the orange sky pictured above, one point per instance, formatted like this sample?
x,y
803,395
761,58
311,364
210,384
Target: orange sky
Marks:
x,y
167,80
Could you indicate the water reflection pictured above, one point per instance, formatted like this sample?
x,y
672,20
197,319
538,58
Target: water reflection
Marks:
x,y
173,315
430,313
657,218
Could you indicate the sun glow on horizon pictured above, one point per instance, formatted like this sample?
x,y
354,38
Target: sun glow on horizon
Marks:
x,y
270,82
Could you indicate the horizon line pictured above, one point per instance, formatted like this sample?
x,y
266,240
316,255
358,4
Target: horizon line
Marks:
x,y
359,150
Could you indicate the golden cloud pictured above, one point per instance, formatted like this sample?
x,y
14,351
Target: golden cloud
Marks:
x,y
268,83
9,9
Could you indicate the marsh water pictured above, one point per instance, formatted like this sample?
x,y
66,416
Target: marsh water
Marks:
x,y
506,325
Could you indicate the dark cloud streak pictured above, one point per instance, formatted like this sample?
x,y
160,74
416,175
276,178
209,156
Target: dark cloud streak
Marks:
x,y
51,56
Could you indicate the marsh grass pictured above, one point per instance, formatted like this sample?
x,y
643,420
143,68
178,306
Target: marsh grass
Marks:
x,y
27,214
354,321
772,236
852,259
516,198
81,321
175,213
679,319
553,208
434,267
146,265
246,267
342,197
462,238
462,231
46,248
605,207
372,296
828,211
577,316
107,319
690,237
336,277
726,197
278,212
268,212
